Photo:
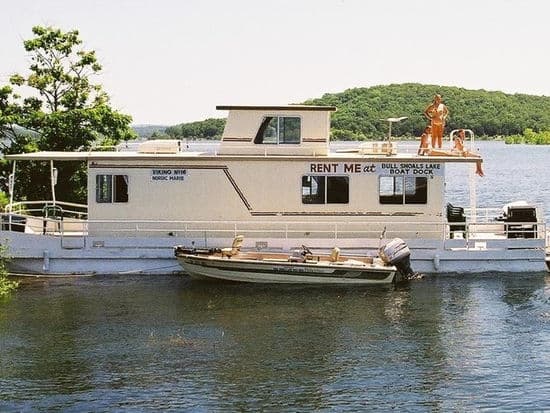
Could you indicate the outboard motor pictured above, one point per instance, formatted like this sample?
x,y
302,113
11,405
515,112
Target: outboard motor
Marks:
x,y
396,252
520,220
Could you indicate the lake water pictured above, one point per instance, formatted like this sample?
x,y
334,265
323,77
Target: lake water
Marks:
x,y
512,173
444,343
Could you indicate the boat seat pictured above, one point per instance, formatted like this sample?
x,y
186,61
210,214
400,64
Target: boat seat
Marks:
x,y
235,247
335,254
455,216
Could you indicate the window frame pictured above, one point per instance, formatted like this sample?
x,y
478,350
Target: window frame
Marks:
x,y
417,198
259,139
115,195
325,187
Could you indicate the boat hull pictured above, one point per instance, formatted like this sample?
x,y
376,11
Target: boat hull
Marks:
x,y
41,254
284,272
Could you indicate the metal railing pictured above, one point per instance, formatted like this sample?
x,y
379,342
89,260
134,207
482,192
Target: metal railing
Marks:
x,y
437,230
40,208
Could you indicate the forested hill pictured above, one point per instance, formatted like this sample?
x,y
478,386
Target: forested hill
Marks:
x,y
360,111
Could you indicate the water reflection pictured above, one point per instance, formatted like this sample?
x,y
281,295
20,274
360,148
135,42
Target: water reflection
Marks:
x,y
445,343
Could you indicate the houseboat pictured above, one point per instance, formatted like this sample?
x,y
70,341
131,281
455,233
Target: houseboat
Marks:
x,y
275,180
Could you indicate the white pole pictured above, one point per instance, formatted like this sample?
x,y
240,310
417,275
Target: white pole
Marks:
x,y
11,186
389,138
473,194
52,180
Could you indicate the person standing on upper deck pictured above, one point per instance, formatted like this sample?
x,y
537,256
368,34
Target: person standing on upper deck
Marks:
x,y
437,113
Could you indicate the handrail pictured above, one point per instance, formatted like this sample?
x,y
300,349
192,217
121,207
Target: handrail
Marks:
x,y
379,221
43,202
439,229
466,131
40,209
46,202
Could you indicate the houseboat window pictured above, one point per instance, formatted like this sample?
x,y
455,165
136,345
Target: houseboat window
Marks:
x,y
103,189
337,189
403,190
325,189
416,190
111,188
313,189
120,190
289,130
279,130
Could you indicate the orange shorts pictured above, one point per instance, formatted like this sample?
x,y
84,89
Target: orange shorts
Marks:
x,y
437,129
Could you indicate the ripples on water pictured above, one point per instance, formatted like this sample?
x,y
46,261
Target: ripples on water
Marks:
x,y
457,343
444,343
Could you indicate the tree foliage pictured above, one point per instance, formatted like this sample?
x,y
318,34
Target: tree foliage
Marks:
x,y
56,107
6,285
530,137
207,129
361,112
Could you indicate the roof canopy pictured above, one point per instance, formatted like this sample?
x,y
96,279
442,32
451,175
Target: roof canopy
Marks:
x,y
279,108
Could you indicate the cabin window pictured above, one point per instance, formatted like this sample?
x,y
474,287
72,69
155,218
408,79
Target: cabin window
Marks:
x,y
403,190
279,130
325,189
111,188
313,189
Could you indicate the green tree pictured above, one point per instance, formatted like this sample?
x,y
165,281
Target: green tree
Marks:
x,y
6,285
62,110
207,129
361,112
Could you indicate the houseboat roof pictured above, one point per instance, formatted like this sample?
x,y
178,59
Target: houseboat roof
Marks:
x,y
133,155
279,108
288,132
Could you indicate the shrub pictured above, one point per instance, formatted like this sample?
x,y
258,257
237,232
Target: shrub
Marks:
x,y
6,285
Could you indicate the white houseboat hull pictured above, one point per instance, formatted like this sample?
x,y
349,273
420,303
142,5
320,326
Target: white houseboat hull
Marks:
x,y
38,254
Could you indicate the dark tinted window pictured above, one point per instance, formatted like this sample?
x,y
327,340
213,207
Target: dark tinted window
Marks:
x,y
391,190
416,190
313,189
121,188
111,188
279,129
289,130
337,190
403,190
103,189
325,189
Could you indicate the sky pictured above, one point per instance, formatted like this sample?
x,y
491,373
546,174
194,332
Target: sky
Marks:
x,y
172,61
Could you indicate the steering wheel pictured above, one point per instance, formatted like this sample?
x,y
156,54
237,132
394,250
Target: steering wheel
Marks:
x,y
306,250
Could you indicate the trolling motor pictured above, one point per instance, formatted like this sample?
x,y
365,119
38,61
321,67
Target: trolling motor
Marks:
x,y
396,252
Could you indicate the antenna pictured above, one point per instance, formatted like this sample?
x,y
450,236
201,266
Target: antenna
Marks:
x,y
390,121
393,120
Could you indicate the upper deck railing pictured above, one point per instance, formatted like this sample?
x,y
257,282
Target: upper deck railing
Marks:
x,y
406,147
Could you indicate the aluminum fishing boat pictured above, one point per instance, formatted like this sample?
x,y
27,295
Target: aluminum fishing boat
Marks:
x,y
299,267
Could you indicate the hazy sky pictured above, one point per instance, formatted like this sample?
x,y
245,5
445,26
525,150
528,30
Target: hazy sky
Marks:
x,y
169,61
